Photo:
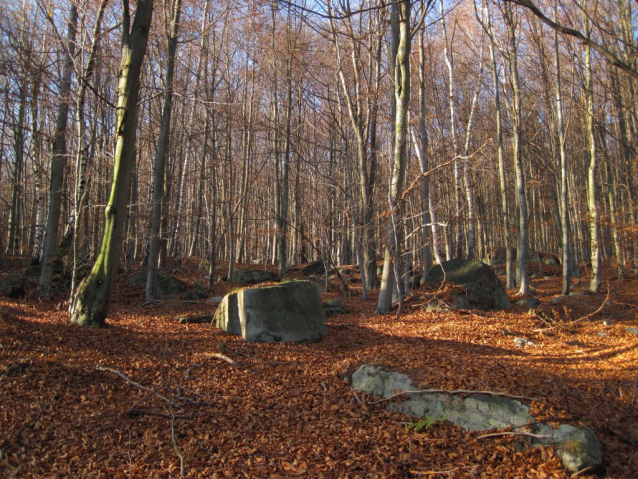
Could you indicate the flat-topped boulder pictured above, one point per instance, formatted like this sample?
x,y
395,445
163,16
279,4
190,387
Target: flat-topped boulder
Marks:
x,y
288,312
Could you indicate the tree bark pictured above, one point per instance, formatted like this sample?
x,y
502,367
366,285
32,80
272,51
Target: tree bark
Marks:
x,y
58,160
91,302
159,162
401,59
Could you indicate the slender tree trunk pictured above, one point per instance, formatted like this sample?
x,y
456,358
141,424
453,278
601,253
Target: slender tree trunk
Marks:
x,y
592,189
449,61
523,241
13,237
159,162
91,302
401,59
58,160
564,205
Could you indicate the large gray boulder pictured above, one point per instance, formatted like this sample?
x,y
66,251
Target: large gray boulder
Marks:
x,y
289,312
484,289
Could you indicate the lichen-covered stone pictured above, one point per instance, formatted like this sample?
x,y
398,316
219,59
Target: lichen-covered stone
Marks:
x,y
289,312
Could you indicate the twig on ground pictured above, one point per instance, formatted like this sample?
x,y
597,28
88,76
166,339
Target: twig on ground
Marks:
x,y
40,413
223,357
580,472
135,411
579,319
456,391
526,434
99,367
182,472
357,398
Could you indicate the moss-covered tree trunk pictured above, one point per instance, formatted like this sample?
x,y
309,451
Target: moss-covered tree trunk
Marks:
x,y
90,303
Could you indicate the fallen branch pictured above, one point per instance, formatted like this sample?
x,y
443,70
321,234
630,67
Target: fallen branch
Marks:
x,y
526,434
580,472
182,472
223,357
99,367
579,319
135,411
457,391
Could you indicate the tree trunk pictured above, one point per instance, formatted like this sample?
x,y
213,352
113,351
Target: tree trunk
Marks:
x,y
159,162
523,241
90,303
592,189
58,160
401,59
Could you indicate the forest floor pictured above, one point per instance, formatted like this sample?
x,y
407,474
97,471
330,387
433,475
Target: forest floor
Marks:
x,y
285,410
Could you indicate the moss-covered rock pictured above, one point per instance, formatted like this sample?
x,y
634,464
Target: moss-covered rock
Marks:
x,y
166,285
483,288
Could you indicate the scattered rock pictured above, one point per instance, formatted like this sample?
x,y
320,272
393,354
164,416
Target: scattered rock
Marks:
x,y
484,290
606,322
197,293
522,342
166,285
529,303
251,276
215,300
632,330
289,312
333,307
578,448
550,259
314,268
195,319
15,288
377,381
603,334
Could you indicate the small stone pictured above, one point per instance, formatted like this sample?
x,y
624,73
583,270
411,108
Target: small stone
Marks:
x,y
609,303
602,334
522,342
607,322
632,330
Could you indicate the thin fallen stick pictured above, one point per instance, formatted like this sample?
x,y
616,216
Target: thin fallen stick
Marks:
x,y
457,391
579,319
526,434
135,411
580,472
357,398
223,357
99,367
182,472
